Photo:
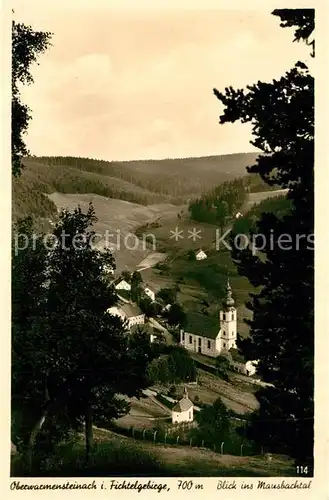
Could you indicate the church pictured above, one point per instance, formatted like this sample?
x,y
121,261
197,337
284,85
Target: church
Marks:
x,y
183,410
217,339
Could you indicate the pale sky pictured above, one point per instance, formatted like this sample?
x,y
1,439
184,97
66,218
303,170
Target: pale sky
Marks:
x,y
135,84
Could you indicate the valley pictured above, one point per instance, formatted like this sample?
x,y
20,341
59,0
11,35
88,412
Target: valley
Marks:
x,y
145,202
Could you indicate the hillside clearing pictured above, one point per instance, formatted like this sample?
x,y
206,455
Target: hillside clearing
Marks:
x,y
254,198
117,222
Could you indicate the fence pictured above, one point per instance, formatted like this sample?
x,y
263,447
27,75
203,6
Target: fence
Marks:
x,y
226,447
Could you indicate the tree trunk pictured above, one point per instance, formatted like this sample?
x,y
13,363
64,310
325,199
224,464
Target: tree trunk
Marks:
x,y
33,436
37,427
88,431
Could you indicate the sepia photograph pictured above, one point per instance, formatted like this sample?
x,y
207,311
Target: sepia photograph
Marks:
x,y
162,246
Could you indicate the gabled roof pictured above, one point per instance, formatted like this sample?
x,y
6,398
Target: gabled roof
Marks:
x,y
120,280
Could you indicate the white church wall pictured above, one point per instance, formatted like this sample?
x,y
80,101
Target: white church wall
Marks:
x,y
198,344
184,416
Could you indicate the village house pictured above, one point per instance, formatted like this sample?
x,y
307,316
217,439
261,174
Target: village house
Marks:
x,y
200,255
123,285
182,410
128,312
238,215
212,339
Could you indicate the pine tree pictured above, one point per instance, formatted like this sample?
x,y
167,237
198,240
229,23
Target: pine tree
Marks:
x,y
282,327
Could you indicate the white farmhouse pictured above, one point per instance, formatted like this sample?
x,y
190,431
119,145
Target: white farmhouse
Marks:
x,y
212,339
183,410
238,215
128,312
149,292
200,255
123,285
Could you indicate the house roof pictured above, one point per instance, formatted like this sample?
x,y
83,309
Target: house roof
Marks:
x,y
120,280
202,325
183,404
130,310
200,251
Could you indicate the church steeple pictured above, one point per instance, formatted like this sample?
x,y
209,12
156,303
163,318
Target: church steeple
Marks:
x,y
229,301
228,322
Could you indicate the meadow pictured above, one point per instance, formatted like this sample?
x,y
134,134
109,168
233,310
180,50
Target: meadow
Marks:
x,y
118,456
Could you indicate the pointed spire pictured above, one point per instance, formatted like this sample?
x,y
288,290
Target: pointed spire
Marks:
x,y
185,392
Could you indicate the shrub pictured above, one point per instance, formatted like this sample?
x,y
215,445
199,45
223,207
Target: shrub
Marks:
x,y
107,459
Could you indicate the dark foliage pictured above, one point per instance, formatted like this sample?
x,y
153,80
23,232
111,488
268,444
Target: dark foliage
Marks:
x,y
278,205
216,206
70,357
27,45
173,366
282,328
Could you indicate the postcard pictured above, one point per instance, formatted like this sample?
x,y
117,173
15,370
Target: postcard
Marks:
x,y
164,314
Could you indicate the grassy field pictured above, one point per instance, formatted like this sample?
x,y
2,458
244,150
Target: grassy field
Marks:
x,y
237,394
210,387
254,198
115,456
117,222
186,461
143,414
201,283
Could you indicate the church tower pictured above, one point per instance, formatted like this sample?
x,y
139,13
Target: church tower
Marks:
x,y
228,323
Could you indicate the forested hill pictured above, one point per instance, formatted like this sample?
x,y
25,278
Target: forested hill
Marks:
x,y
144,182
222,201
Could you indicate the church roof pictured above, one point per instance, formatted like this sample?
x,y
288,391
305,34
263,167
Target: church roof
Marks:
x,y
183,404
202,325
